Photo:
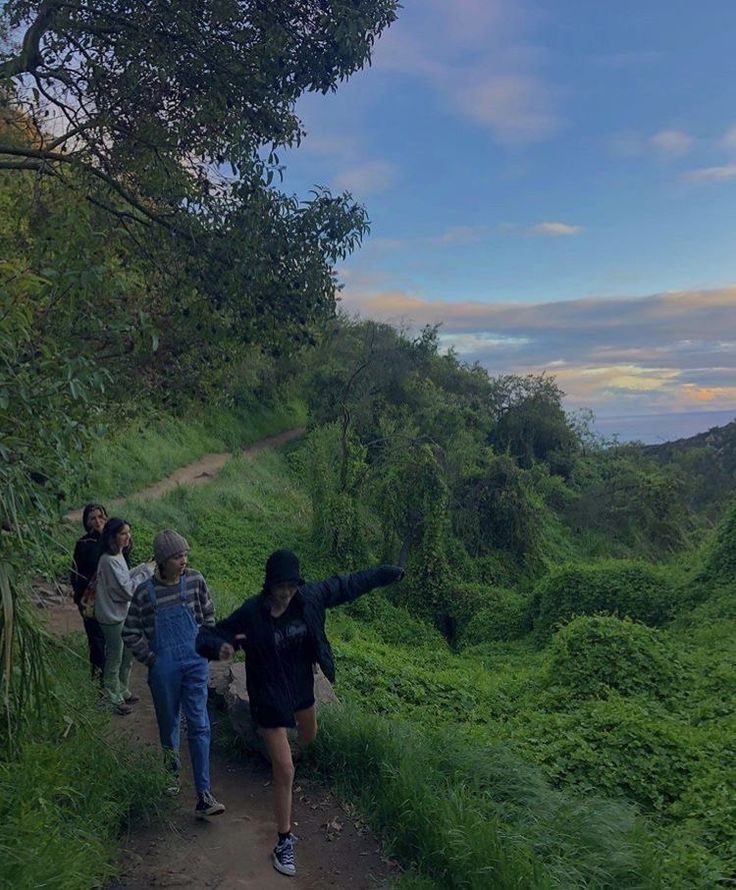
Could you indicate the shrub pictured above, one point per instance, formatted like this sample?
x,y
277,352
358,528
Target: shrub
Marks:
x,y
393,624
593,655
617,747
720,561
499,615
620,587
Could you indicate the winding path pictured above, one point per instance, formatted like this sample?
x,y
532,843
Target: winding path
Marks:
x,y
336,849
199,472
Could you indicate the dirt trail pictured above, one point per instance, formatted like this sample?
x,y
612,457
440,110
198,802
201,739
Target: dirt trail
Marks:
x,y
336,850
197,473
233,850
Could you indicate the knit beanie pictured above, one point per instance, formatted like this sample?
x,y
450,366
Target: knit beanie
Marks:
x,y
282,566
168,543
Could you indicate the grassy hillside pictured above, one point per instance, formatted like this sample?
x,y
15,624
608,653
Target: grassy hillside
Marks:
x,y
597,755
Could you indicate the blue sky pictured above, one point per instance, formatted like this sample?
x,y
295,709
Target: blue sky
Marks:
x,y
556,184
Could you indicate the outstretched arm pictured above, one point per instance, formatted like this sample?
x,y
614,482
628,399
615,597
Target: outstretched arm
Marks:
x,y
339,589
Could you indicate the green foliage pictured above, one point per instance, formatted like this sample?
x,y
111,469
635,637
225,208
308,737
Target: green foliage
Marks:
x,y
531,424
332,466
594,655
620,587
144,450
720,562
634,502
170,127
621,748
64,803
471,816
394,625
487,614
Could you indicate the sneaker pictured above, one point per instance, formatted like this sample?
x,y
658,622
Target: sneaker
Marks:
x,y
283,856
122,709
207,806
174,787
132,700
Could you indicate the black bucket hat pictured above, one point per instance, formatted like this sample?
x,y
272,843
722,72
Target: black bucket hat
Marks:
x,y
282,567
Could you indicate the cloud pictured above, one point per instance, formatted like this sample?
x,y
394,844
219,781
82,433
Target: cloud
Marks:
x,y
475,55
667,145
728,141
712,174
515,107
640,354
672,143
371,176
554,229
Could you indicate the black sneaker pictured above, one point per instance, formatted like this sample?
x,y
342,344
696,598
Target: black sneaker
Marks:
x,y
207,806
122,709
283,856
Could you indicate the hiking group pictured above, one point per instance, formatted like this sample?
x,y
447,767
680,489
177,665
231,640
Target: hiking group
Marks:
x,y
161,613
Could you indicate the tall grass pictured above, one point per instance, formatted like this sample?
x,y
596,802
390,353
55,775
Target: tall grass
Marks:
x,y
64,801
152,447
475,816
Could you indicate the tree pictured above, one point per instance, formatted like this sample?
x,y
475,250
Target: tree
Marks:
x,y
169,116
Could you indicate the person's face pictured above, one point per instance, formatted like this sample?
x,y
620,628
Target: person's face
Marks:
x,y
281,594
175,565
96,521
122,538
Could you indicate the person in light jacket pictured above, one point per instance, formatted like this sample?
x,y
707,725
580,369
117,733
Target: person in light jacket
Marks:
x,y
282,630
114,591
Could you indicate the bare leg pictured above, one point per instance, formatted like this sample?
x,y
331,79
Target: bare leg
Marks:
x,y
279,751
306,725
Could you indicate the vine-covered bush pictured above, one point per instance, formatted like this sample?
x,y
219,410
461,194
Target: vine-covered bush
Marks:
x,y
625,588
593,655
498,614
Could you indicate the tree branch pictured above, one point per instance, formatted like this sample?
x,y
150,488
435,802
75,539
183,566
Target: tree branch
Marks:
x,y
30,54
43,157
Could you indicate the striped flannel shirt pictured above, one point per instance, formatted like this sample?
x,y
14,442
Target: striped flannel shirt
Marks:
x,y
140,625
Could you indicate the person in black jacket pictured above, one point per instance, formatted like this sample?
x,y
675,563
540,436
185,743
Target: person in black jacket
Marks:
x,y
84,565
282,631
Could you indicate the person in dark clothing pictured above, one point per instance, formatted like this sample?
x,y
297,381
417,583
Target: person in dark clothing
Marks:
x,y
282,631
84,565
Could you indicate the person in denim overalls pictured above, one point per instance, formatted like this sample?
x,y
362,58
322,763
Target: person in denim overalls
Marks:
x,y
162,627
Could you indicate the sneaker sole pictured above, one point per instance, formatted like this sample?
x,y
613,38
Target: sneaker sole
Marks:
x,y
282,869
212,811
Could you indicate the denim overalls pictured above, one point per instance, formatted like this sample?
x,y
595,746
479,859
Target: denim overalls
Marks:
x,y
178,680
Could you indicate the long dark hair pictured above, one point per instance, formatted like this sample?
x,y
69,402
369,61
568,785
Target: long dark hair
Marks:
x,y
107,538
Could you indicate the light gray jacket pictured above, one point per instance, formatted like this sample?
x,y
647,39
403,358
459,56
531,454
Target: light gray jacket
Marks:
x,y
115,586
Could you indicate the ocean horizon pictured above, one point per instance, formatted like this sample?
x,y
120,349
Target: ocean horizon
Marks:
x,y
653,429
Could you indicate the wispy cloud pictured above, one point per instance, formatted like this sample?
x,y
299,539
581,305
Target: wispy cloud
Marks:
x,y
666,145
370,176
619,352
554,229
672,143
482,65
712,174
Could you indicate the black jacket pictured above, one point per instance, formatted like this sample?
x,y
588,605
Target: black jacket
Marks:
x,y
267,686
84,563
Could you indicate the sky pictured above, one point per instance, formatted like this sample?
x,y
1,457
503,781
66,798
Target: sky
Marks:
x,y
554,183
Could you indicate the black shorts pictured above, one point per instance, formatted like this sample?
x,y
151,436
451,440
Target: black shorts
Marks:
x,y
272,718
